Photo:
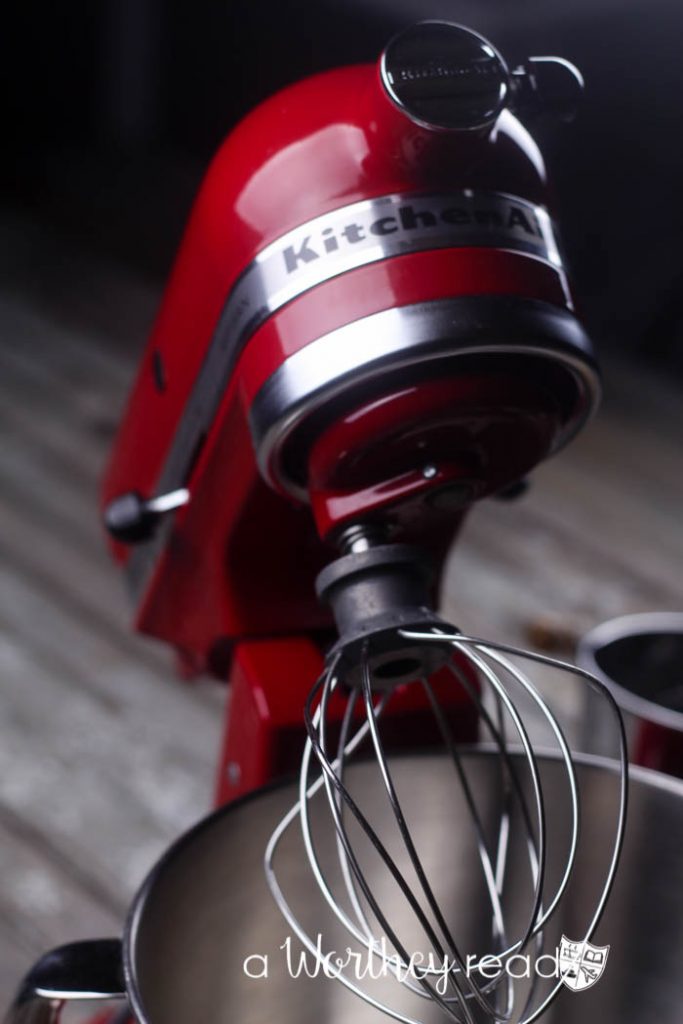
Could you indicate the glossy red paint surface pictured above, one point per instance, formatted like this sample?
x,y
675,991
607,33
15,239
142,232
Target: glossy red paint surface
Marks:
x,y
265,733
429,449
264,738
241,562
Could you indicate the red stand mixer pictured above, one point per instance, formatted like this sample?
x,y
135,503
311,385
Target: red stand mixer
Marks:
x,y
368,328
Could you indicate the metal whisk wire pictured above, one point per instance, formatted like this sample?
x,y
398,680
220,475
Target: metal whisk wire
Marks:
x,y
465,991
495,651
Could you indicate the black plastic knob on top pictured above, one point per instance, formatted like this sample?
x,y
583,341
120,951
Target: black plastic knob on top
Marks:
x,y
447,77
133,519
374,594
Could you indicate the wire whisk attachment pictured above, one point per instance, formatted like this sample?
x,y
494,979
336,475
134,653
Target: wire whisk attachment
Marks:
x,y
443,888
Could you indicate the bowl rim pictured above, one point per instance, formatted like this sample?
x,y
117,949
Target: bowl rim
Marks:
x,y
620,628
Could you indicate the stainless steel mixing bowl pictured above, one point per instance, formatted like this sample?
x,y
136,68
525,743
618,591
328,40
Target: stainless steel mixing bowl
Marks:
x,y
206,908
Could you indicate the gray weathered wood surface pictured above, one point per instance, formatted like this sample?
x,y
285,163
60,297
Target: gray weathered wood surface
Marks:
x,y
104,756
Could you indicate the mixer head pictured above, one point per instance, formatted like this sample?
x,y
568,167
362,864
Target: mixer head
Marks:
x,y
369,319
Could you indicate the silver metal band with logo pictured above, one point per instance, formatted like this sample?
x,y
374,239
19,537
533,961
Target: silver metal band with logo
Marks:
x,y
318,251
376,229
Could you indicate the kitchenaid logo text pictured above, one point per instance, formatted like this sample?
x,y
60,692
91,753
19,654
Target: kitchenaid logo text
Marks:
x,y
486,66
578,965
473,220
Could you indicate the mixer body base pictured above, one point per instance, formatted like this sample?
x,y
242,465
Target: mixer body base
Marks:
x,y
265,731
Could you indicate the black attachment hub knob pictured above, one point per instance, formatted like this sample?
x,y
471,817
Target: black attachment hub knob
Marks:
x,y
447,77
373,594
132,519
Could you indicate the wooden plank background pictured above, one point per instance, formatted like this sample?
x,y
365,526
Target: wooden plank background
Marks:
x,y
104,756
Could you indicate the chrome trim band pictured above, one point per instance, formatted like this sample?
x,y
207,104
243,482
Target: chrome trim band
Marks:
x,y
402,337
376,229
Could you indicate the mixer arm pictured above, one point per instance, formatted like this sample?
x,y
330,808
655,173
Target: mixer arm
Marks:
x,y
79,971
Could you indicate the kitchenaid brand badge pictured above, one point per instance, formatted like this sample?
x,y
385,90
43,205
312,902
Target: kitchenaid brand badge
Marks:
x,y
477,68
409,224
373,230
581,963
